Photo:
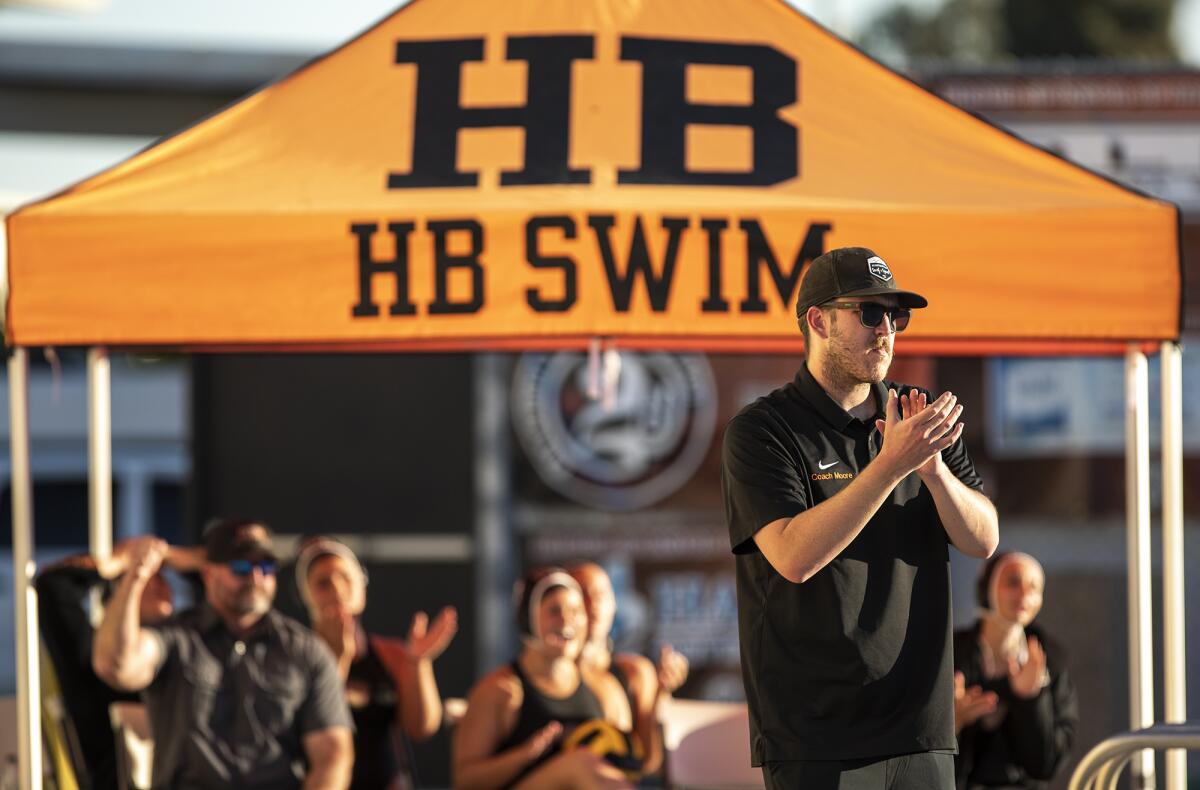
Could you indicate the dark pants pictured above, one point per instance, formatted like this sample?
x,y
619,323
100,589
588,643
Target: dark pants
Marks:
x,y
920,771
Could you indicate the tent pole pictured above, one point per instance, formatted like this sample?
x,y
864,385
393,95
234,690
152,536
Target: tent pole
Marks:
x,y
497,564
99,453
1174,630
29,728
1137,552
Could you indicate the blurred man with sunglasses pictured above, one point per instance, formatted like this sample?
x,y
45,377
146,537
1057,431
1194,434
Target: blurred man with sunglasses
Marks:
x,y
842,492
238,694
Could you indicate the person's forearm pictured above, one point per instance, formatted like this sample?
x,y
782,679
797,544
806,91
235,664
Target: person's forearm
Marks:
x,y
492,772
556,774
650,734
332,773
642,677
968,516
185,559
330,755
344,662
813,538
118,656
420,701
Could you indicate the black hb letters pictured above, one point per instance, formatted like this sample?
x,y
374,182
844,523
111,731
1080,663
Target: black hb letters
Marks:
x,y
633,270
546,115
628,269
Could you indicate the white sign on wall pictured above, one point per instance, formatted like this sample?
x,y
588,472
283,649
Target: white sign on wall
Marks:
x,y
1075,405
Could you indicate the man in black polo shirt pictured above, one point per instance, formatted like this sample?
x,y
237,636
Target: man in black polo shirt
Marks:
x,y
842,492
237,694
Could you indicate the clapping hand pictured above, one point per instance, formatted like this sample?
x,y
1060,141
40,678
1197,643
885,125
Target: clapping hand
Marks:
x,y
542,741
913,403
970,704
1027,681
672,669
426,641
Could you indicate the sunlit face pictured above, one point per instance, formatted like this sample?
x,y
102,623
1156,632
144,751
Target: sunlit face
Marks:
x,y
598,599
1019,592
238,596
157,601
336,584
856,352
562,622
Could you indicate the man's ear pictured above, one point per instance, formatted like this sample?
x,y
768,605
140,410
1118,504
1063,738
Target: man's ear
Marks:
x,y
817,322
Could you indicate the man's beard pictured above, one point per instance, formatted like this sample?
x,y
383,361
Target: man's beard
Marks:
x,y
250,601
849,366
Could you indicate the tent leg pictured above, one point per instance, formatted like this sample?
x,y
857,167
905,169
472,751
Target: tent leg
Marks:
x,y
29,728
1137,536
1174,640
99,461
496,560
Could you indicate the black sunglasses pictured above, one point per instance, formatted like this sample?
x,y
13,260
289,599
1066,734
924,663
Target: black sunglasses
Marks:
x,y
246,567
871,314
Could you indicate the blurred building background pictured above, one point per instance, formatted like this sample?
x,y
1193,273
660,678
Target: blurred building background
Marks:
x,y
448,473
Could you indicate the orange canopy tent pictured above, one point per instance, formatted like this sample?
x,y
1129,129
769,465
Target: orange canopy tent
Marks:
x,y
470,174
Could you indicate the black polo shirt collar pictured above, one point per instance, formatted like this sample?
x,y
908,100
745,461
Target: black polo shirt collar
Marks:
x,y
812,391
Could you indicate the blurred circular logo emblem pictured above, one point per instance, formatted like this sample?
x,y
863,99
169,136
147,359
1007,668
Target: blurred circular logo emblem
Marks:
x,y
636,449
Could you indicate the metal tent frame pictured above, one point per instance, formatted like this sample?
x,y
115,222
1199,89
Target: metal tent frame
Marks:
x,y
1137,450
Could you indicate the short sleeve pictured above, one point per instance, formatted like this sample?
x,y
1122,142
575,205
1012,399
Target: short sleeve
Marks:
x,y
759,479
168,638
325,706
959,462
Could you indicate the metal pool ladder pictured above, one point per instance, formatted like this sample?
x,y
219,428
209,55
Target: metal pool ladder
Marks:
x,y
1101,767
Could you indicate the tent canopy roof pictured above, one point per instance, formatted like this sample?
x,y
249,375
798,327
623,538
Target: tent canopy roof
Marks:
x,y
473,174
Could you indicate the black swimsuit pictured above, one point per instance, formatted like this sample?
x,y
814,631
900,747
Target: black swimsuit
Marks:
x,y
538,710
380,746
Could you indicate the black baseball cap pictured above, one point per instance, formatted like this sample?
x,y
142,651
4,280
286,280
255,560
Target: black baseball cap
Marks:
x,y
850,271
238,539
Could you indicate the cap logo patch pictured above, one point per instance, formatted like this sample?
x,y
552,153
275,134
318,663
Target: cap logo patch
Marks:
x,y
878,268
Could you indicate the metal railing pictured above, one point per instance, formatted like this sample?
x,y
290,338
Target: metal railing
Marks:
x,y
1102,766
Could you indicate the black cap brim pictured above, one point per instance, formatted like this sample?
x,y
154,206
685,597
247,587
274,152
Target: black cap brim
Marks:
x,y
907,299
